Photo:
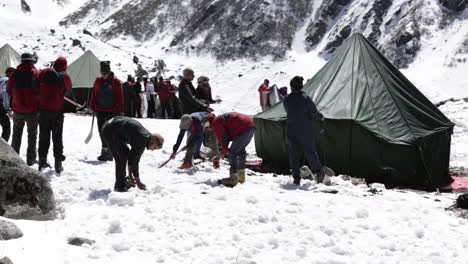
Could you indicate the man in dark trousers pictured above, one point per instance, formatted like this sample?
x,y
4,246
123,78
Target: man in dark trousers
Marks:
x,y
4,105
53,83
301,113
190,104
165,92
120,131
239,129
106,101
129,96
194,125
138,102
24,90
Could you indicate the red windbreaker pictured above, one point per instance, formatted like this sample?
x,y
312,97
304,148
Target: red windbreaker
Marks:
x,y
165,91
24,89
263,88
107,95
53,85
228,126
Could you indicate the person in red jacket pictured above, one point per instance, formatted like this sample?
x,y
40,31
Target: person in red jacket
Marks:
x,y
165,92
264,92
106,101
24,90
239,129
53,83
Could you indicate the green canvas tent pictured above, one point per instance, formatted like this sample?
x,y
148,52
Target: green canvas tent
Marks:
x,y
379,126
83,72
8,58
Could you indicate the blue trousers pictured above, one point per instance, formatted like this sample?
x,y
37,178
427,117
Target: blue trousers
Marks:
x,y
299,145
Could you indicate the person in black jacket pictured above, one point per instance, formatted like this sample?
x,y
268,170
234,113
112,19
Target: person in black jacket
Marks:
x,y
119,132
301,112
190,104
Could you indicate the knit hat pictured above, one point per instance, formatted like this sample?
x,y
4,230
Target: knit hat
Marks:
x,y
27,57
297,83
9,70
105,67
185,122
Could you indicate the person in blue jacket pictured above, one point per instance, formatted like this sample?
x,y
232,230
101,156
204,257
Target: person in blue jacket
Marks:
x,y
194,125
301,112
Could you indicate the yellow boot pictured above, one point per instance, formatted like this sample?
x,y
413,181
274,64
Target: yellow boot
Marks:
x,y
232,181
242,176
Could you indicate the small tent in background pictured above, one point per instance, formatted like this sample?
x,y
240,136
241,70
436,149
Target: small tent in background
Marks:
x,y
8,58
83,72
379,126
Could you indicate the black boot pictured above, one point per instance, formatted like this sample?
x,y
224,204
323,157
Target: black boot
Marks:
x,y
31,162
43,164
106,155
297,181
58,166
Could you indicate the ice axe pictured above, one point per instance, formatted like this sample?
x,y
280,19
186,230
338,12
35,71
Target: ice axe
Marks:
x,y
90,135
167,161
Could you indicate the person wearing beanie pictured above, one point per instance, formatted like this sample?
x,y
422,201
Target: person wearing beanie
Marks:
x,y
301,114
5,105
120,131
106,101
129,96
187,93
239,129
193,125
264,90
24,90
54,82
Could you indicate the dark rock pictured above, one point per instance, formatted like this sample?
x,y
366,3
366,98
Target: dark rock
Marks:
x,y
140,72
454,5
25,7
52,31
5,260
135,59
9,230
86,32
24,192
76,42
78,241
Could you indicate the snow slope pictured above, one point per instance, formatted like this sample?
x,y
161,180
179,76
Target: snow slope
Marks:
x,y
185,218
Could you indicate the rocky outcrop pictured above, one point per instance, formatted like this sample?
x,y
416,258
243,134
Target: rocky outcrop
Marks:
x,y
257,28
24,192
5,260
9,231
455,5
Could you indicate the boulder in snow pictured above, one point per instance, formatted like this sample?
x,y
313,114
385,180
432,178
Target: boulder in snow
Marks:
x,y
79,241
24,192
5,260
9,230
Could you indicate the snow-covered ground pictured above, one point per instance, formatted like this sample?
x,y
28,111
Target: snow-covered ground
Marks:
x,y
186,218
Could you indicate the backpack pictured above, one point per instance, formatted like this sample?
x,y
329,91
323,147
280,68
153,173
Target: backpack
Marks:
x,y
462,201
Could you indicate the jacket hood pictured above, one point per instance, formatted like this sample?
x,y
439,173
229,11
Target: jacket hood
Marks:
x,y
60,64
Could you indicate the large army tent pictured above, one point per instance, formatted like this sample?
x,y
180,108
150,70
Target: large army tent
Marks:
x,y
83,73
379,126
8,58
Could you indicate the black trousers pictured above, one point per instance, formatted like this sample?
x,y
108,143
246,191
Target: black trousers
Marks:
x,y
151,107
50,124
120,152
129,107
166,108
102,118
31,120
137,109
5,124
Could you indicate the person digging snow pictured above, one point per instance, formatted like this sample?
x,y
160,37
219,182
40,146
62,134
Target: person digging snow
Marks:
x,y
239,129
192,124
120,131
301,112
106,101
